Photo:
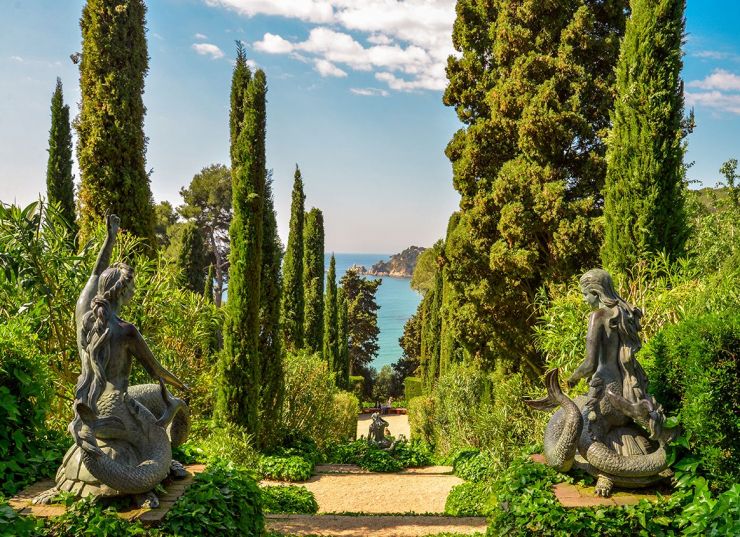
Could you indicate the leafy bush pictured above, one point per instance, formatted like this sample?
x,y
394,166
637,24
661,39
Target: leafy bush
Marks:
x,y
374,459
473,465
413,454
13,524
222,501
300,446
222,441
693,371
421,419
293,468
27,450
313,406
413,387
357,385
88,517
288,499
377,460
470,499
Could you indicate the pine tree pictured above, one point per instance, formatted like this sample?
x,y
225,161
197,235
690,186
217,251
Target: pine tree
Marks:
x,y
362,320
644,196
191,259
342,339
313,281
111,144
59,178
240,367
271,396
331,320
533,86
292,305
208,286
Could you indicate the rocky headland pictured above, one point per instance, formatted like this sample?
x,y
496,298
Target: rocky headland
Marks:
x,y
398,266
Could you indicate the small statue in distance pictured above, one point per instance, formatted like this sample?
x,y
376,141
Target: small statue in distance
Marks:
x,y
123,435
376,433
616,432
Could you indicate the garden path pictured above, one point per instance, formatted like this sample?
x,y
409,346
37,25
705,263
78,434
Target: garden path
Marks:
x,y
397,424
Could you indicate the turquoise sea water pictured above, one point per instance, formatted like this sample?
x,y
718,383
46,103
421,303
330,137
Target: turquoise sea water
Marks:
x,y
396,299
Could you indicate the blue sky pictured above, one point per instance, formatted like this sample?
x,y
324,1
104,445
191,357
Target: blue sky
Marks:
x,y
354,98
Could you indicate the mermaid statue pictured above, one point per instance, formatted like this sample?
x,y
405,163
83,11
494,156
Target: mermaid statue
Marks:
x,y
617,431
123,435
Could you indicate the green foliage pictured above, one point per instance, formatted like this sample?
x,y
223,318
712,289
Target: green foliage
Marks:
x,y
422,280
88,517
385,384
413,454
377,460
59,178
357,385
222,441
191,259
165,218
431,333
533,84
207,202
110,127
331,324
14,525
343,380
474,465
470,499
223,501
362,319
292,468
716,226
692,367
370,457
313,406
313,281
413,387
270,350
421,419
239,365
410,343
27,450
290,499
292,305
644,191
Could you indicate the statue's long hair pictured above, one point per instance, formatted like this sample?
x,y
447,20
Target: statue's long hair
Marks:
x,y
95,340
626,318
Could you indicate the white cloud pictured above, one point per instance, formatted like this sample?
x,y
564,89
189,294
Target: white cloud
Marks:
x,y
724,102
208,49
326,68
715,55
718,80
273,44
410,37
158,36
17,59
369,92
200,37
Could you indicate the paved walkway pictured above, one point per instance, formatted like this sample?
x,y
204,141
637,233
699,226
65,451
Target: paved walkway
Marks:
x,y
375,526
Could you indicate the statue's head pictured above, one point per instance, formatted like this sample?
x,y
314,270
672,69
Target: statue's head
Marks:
x,y
597,287
116,284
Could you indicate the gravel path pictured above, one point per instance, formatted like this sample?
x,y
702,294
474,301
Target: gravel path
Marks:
x,y
397,424
374,526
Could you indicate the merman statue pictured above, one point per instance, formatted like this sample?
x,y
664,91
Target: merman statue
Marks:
x,y
123,435
616,432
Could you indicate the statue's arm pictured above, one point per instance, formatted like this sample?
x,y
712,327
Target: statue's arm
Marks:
x,y
593,340
146,358
112,224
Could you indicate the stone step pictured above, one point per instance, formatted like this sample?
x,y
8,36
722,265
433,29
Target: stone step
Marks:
x,y
374,526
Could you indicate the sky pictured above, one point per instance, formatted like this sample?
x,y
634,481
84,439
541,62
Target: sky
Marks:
x,y
354,98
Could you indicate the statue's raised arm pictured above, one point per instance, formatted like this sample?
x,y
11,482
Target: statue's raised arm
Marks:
x,y
102,262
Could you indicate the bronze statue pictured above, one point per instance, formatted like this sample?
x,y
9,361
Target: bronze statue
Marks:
x,y
616,432
376,433
123,435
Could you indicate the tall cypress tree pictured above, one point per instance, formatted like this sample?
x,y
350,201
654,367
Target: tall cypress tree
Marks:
x,y
533,85
271,396
313,281
431,332
292,305
644,195
342,339
240,78
331,319
191,258
111,144
240,367
59,178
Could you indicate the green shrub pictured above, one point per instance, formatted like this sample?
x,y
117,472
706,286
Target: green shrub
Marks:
x,y
293,468
412,387
470,499
413,454
222,501
357,385
300,446
421,419
88,517
15,525
27,450
473,465
693,371
374,459
343,423
288,499
223,441
377,460
347,453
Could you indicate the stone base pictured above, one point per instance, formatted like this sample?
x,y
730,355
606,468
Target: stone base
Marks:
x,y
579,496
149,517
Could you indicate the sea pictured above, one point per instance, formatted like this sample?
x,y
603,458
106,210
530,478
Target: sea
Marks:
x,y
395,297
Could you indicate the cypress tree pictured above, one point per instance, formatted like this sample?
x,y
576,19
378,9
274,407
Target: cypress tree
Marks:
x,y
533,85
111,144
271,396
313,281
240,77
240,368
331,320
644,196
59,178
191,258
292,306
208,287
342,339
431,332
